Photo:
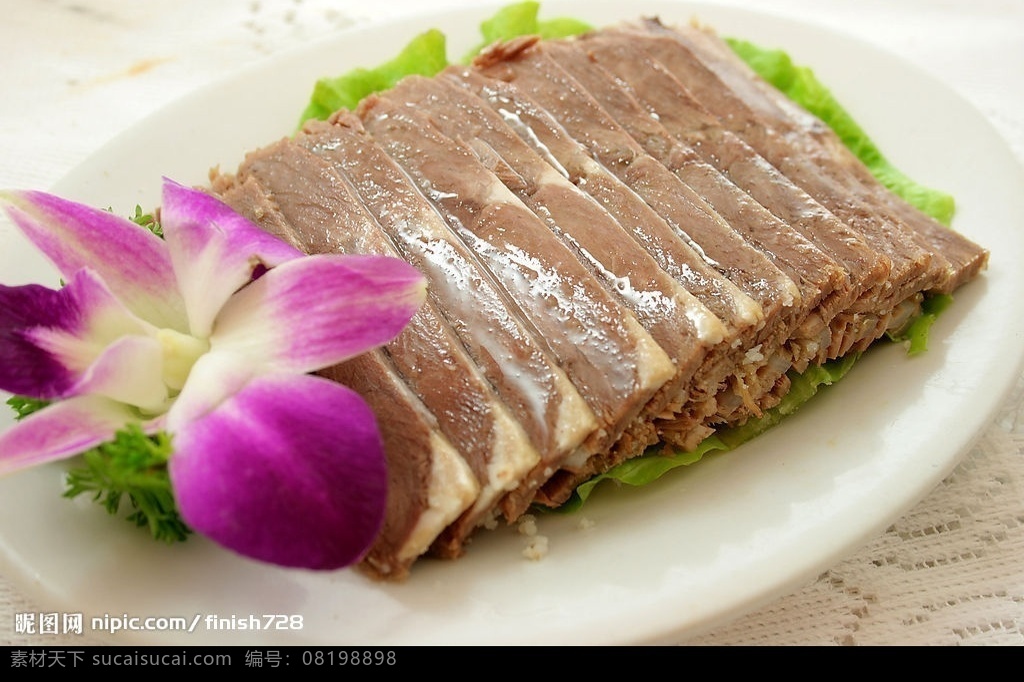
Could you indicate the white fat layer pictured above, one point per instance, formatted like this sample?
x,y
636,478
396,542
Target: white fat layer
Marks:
x,y
654,366
452,488
575,419
748,310
577,459
512,457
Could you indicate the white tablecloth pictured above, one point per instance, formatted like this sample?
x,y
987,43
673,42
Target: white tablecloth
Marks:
x,y
75,74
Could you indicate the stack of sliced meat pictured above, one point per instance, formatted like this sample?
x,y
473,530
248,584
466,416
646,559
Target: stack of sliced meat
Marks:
x,y
628,238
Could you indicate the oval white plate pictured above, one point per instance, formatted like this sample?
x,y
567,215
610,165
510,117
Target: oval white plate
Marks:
x,y
651,565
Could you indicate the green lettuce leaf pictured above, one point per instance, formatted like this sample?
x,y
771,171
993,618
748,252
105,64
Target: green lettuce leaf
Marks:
x,y
915,336
425,55
661,459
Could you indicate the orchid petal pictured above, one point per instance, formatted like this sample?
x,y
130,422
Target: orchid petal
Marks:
x,y
25,368
129,370
130,259
215,251
49,338
289,470
320,310
62,430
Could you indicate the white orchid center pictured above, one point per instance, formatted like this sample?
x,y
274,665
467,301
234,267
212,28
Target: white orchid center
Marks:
x,y
180,353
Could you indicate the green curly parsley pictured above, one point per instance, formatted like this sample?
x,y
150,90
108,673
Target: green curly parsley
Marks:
x,y
132,470
148,221
24,406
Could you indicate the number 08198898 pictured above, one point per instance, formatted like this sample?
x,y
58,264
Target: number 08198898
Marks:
x,y
353,657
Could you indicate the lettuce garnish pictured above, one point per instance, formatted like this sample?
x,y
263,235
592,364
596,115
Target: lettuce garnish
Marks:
x,y
915,335
427,54
797,82
662,459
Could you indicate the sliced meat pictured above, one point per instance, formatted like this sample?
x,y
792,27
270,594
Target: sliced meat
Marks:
x,y
692,336
961,258
672,105
746,291
669,248
824,284
791,141
538,392
611,359
522,64
680,324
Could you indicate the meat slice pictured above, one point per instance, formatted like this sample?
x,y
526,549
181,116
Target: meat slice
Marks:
x,y
526,67
692,336
669,102
537,391
744,317
825,285
612,360
670,249
324,209
739,284
926,256
429,482
680,324
962,259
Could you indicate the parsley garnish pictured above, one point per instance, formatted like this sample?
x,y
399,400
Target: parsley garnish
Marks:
x,y
148,221
132,467
23,406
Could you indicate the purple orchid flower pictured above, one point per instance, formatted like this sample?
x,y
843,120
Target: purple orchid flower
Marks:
x,y
211,335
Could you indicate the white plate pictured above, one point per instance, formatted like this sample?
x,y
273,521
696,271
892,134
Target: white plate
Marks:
x,y
652,565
